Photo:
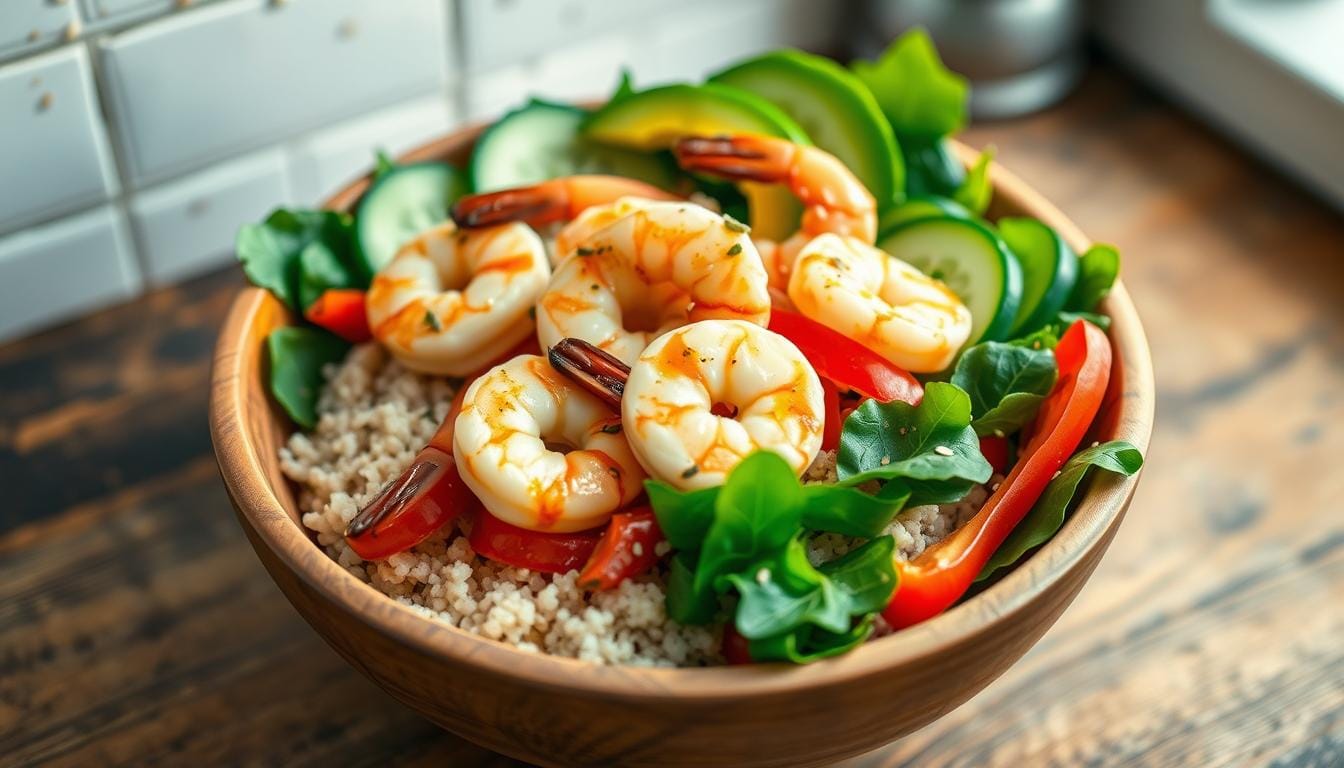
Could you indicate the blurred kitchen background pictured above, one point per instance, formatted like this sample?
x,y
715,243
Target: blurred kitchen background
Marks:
x,y
137,135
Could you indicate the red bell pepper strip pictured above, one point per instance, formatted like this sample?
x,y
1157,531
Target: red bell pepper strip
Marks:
x,y
428,495
844,361
535,550
626,549
932,582
995,450
341,311
830,433
736,648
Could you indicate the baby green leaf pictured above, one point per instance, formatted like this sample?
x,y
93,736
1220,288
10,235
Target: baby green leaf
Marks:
x,y
866,576
1047,515
757,511
297,354
932,441
919,96
808,644
272,254
840,509
782,592
685,603
1097,270
683,516
975,190
1006,384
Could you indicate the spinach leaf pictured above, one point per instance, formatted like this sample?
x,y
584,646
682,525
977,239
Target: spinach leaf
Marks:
x,y
1046,517
976,190
758,511
866,576
1047,336
840,509
932,441
1006,384
1097,270
919,96
382,165
273,254
297,354
808,644
683,516
685,603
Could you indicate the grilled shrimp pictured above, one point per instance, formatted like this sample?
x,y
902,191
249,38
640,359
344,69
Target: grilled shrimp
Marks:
x,y
660,267
450,300
702,397
880,301
540,452
584,203
833,198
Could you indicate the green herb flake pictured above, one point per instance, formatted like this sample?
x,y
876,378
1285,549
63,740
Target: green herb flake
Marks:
x,y
583,251
611,429
736,249
733,225
432,321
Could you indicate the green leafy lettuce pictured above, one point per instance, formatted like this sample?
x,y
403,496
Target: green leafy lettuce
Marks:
x,y
976,189
919,96
1006,384
931,448
297,254
747,537
297,355
1097,270
1046,517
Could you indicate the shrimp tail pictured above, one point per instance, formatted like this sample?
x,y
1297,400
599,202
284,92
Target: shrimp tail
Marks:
x,y
745,158
535,206
597,371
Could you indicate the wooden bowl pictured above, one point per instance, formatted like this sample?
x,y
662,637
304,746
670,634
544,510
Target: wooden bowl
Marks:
x,y
561,711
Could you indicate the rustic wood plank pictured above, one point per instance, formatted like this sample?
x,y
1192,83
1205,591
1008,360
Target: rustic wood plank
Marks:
x,y
136,625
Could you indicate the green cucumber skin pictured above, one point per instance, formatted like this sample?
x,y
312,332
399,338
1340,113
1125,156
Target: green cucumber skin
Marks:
x,y
1046,283
418,180
758,115
931,168
809,87
1008,274
915,208
562,123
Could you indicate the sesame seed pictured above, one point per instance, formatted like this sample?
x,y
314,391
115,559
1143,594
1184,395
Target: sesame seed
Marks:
x,y
885,461
638,549
995,486
1057,474
762,576
943,450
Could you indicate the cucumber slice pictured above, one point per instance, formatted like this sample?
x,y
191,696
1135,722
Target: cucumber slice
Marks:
x,y
930,167
972,261
1049,270
931,206
654,119
541,141
403,202
835,108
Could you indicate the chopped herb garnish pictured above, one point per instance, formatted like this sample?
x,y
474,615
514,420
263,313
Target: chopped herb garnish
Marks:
x,y
584,251
432,321
690,472
734,225
611,429
736,249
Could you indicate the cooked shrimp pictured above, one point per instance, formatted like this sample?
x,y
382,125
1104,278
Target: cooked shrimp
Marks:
x,y
586,202
880,301
540,452
702,397
833,198
450,300
662,266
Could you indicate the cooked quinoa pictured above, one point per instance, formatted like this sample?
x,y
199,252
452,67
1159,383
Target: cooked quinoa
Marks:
x,y
374,416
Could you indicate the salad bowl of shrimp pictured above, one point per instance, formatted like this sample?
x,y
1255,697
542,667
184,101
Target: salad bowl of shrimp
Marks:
x,y
664,431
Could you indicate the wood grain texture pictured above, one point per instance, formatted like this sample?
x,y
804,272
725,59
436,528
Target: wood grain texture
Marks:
x,y
136,627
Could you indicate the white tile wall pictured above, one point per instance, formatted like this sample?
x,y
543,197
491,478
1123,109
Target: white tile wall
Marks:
x,y
187,226
77,264
218,110
196,87
54,146
31,24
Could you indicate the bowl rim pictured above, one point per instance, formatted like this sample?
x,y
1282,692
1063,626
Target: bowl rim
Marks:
x,y
1092,522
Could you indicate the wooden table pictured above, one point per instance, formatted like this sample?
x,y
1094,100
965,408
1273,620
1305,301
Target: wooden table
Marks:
x,y
137,626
